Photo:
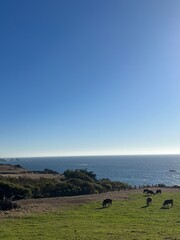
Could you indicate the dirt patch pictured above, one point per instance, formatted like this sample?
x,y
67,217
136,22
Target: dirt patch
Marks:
x,y
32,175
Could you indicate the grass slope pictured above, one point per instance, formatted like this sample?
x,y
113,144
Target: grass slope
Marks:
x,y
125,219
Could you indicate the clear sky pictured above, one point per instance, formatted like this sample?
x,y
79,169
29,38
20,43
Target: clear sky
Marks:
x,y
89,77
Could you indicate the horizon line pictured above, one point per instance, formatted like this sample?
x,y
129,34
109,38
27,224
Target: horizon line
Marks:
x,y
90,155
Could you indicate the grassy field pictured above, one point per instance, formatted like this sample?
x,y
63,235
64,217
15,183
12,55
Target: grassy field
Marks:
x,y
125,219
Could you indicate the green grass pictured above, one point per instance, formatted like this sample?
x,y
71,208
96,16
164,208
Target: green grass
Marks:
x,y
127,219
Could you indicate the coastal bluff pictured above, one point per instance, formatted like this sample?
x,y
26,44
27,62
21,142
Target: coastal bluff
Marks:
x,y
10,170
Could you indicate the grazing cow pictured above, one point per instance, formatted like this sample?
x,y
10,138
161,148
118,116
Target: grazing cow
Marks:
x,y
167,202
145,190
150,192
148,201
107,202
158,191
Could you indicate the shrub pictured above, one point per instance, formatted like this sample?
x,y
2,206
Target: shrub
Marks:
x,y
8,189
7,204
80,174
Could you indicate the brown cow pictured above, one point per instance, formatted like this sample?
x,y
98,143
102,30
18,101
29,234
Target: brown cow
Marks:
x,y
148,201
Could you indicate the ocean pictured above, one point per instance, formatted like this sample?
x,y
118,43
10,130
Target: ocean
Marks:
x,y
135,170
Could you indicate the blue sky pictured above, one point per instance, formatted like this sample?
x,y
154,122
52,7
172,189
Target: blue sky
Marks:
x,y
89,77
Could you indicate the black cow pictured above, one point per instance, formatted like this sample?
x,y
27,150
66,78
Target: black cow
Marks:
x,y
107,202
145,190
150,192
148,201
158,191
167,202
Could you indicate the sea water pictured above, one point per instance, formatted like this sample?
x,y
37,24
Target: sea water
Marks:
x,y
135,170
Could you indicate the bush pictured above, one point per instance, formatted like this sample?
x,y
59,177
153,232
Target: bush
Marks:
x,y
7,204
8,189
85,187
80,174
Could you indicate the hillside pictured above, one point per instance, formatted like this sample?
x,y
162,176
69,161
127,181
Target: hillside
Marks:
x,y
11,169
16,171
